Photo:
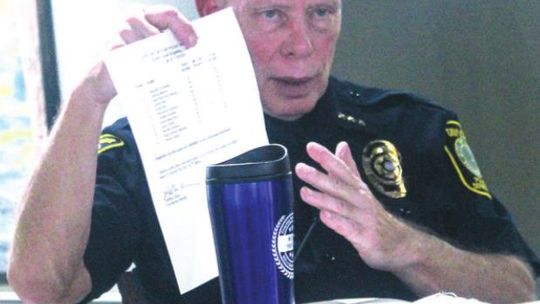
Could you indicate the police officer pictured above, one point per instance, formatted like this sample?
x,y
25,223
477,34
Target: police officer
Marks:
x,y
396,205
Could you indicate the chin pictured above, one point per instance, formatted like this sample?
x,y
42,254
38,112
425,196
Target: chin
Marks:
x,y
290,109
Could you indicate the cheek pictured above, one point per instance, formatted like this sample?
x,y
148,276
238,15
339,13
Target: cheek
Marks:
x,y
261,51
326,48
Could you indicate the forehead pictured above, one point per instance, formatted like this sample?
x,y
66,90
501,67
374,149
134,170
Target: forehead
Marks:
x,y
290,3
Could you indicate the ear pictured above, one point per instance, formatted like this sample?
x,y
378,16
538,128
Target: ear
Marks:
x,y
206,7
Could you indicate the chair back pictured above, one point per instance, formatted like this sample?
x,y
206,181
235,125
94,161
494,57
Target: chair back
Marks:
x,y
131,289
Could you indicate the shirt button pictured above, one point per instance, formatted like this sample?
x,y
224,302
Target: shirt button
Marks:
x,y
405,211
329,257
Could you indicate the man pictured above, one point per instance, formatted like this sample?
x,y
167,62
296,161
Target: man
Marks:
x,y
404,210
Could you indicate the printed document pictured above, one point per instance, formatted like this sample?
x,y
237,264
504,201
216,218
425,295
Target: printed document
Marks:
x,y
187,109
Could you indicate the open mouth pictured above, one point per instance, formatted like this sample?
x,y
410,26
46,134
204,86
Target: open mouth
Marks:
x,y
294,81
294,88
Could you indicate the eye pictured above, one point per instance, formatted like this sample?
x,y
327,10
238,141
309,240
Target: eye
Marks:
x,y
321,12
270,14
324,17
268,18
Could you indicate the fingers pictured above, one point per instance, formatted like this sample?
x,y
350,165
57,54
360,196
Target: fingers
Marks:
x,y
343,152
144,22
340,190
331,185
333,165
322,201
340,172
138,28
167,17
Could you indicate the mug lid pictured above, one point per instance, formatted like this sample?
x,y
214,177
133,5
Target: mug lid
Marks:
x,y
262,162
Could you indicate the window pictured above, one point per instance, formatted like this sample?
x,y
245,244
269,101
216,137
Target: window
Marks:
x,y
22,123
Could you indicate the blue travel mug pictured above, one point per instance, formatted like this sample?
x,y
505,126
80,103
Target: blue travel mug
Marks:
x,y
250,199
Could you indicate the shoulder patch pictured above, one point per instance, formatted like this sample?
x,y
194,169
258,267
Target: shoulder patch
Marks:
x,y
463,160
108,141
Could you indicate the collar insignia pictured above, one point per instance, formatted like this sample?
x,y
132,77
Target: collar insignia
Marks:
x,y
351,119
382,166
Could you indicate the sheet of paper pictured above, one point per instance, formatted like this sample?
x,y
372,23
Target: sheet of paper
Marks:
x,y
439,298
187,109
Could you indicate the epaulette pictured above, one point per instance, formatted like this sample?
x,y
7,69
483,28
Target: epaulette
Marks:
x,y
372,108
349,92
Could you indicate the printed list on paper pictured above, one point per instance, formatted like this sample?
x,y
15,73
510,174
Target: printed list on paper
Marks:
x,y
187,109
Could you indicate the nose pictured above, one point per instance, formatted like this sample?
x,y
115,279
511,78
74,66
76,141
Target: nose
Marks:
x,y
298,43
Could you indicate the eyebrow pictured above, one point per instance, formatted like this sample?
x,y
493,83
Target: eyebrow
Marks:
x,y
274,3
286,5
326,2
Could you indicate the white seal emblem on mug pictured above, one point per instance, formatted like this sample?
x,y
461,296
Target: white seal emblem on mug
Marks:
x,y
283,245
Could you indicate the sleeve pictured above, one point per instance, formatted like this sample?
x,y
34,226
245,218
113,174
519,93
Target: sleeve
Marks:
x,y
114,228
478,221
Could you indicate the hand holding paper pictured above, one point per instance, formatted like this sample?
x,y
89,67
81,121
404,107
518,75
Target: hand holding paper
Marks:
x,y
189,108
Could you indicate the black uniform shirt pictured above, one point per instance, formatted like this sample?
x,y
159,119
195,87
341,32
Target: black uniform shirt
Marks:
x,y
412,154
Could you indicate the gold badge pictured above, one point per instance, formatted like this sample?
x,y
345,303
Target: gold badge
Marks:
x,y
108,141
382,165
462,158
